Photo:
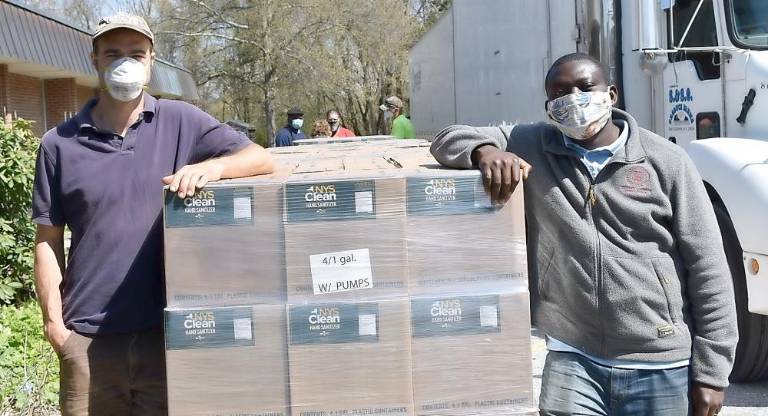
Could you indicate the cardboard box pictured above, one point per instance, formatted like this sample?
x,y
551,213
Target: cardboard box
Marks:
x,y
345,238
227,361
224,245
472,355
350,358
456,237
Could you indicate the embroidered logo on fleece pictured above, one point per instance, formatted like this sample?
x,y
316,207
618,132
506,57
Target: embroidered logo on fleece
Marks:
x,y
637,180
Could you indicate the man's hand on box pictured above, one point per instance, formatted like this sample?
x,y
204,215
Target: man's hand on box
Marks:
x,y
190,178
501,171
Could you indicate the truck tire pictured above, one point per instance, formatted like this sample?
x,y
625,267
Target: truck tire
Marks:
x,y
752,351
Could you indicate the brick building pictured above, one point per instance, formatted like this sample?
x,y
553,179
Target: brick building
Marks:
x,y
46,73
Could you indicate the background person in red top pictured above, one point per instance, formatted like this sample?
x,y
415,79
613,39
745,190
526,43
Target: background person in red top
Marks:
x,y
337,125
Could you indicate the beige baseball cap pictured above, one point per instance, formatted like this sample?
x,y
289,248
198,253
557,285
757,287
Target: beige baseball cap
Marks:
x,y
124,21
391,101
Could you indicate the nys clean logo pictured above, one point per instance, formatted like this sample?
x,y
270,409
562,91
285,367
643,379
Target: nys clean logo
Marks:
x,y
210,207
203,201
439,190
320,196
445,312
321,320
199,324
209,328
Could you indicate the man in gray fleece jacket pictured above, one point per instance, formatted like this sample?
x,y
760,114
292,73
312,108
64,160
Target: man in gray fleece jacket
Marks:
x,y
636,296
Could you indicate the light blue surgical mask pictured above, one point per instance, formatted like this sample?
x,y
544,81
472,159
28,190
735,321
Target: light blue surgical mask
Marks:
x,y
296,123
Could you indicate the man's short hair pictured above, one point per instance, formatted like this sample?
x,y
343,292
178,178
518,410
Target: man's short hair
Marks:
x,y
573,57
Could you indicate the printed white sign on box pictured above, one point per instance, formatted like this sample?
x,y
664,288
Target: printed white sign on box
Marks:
x,y
489,316
366,324
364,202
242,207
242,328
341,271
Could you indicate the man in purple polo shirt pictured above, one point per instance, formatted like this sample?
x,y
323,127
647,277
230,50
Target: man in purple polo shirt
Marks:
x,y
101,174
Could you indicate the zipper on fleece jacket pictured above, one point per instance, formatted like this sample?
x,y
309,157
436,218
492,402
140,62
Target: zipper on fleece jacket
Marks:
x,y
591,198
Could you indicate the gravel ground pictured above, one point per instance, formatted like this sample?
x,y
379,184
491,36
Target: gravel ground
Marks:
x,y
740,399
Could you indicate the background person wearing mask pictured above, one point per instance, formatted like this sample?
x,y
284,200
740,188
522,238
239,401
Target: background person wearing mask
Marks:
x,y
337,125
101,173
401,125
292,130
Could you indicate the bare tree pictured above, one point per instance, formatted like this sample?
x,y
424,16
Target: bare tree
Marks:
x,y
367,58
81,13
428,11
248,45
86,13
254,58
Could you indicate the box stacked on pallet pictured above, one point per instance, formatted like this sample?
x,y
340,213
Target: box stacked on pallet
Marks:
x,y
350,358
471,354
224,245
229,360
347,273
359,279
225,319
469,297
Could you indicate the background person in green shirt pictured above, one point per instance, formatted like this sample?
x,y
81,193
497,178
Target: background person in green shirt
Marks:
x,y
401,125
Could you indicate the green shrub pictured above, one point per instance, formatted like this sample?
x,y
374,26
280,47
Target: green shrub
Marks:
x,y
18,149
29,368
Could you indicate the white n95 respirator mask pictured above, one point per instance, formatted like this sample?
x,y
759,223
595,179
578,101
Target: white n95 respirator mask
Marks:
x,y
125,79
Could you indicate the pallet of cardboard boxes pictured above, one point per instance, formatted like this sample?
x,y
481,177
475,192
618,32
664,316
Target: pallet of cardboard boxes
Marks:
x,y
358,279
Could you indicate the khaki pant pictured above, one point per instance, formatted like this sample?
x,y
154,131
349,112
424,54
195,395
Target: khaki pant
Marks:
x,y
104,375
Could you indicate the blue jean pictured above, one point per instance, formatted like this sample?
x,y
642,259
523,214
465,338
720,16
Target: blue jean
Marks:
x,y
575,385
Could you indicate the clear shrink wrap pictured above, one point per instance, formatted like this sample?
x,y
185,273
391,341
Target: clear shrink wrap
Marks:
x,y
359,279
229,360
471,353
224,245
345,238
350,358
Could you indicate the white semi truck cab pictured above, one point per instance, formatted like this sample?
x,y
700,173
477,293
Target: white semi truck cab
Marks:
x,y
693,71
